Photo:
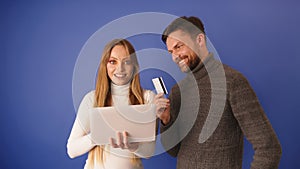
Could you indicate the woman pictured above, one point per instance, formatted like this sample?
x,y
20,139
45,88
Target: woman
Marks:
x,y
117,82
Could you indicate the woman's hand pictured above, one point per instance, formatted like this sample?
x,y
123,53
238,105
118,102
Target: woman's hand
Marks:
x,y
122,142
162,108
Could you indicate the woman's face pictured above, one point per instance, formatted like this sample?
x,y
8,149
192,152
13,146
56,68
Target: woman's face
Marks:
x,y
119,66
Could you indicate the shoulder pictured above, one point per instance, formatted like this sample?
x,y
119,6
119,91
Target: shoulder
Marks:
x,y
235,78
86,103
233,74
89,97
90,94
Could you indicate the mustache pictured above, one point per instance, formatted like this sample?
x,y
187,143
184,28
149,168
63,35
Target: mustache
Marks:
x,y
180,58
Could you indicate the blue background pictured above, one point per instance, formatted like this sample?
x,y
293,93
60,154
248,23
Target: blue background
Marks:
x,y
40,42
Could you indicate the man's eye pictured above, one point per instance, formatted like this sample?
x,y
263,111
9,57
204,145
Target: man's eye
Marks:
x,y
179,46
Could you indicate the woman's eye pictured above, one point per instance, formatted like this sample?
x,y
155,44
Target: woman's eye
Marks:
x,y
112,62
128,62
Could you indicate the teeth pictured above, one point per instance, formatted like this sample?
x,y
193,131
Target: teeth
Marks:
x,y
182,62
120,75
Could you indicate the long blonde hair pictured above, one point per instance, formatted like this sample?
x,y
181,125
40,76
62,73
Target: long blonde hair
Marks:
x,y
103,96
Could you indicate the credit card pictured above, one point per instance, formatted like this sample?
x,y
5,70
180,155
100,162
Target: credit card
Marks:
x,y
159,85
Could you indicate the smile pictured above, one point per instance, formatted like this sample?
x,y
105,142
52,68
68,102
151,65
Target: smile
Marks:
x,y
120,75
183,62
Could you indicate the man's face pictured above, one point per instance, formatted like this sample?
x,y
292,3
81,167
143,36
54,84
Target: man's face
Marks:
x,y
180,45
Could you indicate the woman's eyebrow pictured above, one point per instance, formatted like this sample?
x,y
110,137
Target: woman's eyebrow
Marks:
x,y
112,57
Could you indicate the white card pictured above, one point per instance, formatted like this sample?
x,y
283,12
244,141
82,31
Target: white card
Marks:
x,y
159,85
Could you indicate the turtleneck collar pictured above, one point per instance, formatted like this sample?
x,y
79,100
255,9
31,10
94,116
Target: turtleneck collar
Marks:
x,y
122,90
204,67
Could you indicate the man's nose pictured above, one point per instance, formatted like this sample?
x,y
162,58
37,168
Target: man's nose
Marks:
x,y
176,56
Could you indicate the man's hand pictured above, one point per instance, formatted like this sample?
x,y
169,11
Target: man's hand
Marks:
x,y
162,108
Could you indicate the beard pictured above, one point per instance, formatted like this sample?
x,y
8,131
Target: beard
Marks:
x,y
193,63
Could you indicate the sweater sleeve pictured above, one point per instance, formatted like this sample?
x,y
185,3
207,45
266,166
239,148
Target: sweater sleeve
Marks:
x,y
254,124
79,141
168,139
165,139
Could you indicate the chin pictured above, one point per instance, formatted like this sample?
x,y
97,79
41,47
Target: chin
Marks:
x,y
184,69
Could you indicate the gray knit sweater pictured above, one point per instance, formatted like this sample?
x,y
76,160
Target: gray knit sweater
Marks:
x,y
241,114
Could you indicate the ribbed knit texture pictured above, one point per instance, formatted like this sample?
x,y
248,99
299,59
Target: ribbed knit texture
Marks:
x,y
242,115
80,142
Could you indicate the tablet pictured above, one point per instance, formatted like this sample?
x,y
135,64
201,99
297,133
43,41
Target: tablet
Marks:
x,y
138,120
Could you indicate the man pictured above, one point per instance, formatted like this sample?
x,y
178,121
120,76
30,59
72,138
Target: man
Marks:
x,y
225,104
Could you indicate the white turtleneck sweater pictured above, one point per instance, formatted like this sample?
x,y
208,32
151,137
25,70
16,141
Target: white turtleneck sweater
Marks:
x,y
80,142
